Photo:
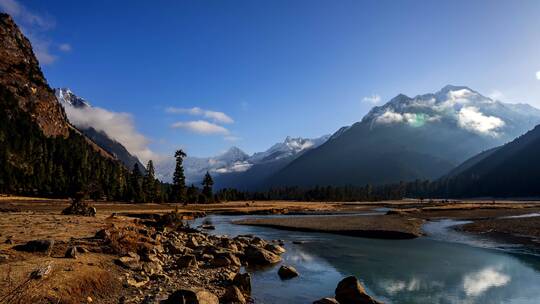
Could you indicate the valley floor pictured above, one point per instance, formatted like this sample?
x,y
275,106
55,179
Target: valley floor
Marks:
x,y
96,276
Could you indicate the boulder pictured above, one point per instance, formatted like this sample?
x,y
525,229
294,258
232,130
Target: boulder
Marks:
x,y
274,248
187,261
350,291
41,246
326,301
243,282
192,243
233,295
259,256
130,261
71,252
225,259
103,234
287,272
192,296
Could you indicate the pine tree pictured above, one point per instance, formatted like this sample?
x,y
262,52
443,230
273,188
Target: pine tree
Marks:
x,y
149,183
192,194
179,179
208,182
136,184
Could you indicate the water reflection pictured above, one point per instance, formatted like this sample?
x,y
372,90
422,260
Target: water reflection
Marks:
x,y
417,271
477,283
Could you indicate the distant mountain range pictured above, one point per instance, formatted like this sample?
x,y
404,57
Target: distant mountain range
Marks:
x,y
423,137
73,103
230,168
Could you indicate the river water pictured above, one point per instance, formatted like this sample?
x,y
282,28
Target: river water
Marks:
x,y
445,267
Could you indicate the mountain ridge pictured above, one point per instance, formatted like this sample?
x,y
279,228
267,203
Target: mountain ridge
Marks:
x,y
422,137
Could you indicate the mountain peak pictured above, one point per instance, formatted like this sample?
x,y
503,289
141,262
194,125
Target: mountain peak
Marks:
x,y
449,88
66,97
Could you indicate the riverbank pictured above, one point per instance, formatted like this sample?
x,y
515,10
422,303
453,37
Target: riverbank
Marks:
x,y
52,258
370,226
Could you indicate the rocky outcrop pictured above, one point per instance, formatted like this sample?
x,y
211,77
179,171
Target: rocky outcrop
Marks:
x,y
20,74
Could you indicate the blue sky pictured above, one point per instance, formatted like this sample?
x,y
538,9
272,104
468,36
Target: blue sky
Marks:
x,y
274,68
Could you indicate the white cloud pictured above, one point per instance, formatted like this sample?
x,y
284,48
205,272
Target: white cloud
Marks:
x,y
65,47
118,126
413,119
477,283
389,117
236,167
219,117
470,118
538,75
201,127
373,99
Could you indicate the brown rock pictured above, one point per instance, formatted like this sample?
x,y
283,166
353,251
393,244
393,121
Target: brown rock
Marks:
x,y
287,272
259,256
350,291
130,261
187,261
71,252
192,296
42,246
243,282
326,301
233,295
276,249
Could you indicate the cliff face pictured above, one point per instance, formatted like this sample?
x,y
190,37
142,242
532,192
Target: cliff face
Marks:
x,y
20,74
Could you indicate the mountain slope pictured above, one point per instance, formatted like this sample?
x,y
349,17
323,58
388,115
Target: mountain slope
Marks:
x,y
72,102
512,170
410,138
261,165
40,152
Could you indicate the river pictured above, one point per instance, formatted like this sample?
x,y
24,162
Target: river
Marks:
x,y
445,267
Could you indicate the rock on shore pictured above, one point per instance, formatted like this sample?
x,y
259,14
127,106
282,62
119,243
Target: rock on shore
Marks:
x,y
349,291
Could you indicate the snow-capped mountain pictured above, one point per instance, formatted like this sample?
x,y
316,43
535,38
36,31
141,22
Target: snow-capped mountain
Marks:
x,y
408,138
237,161
77,109
289,147
458,105
67,98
